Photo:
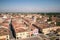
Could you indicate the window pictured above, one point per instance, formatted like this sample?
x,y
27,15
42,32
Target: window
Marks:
x,y
7,36
28,35
17,38
32,34
57,39
20,34
7,39
5,30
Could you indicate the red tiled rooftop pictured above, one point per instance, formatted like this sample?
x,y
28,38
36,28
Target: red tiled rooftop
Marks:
x,y
17,25
5,25
20,30
4,31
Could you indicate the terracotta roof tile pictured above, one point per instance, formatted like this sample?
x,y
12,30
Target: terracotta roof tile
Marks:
x,y
4,31
20,30
5,25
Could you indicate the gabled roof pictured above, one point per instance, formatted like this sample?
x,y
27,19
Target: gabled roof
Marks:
x,y
4,31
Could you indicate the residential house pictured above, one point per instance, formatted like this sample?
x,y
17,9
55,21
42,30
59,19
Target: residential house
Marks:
x,y
20,29
4,34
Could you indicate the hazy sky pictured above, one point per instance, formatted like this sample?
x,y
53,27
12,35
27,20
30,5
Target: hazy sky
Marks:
x,y
29,5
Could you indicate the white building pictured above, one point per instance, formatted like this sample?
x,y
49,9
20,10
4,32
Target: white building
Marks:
x,y
35,32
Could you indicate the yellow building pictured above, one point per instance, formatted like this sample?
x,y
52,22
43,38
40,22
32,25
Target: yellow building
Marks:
x,y
47,30
21,33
